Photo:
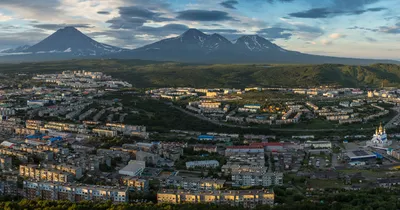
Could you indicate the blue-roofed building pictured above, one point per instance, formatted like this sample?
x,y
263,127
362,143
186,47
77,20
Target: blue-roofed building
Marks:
x,y
40,136
206,138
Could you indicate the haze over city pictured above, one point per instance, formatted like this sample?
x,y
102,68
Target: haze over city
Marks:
x,y
342,28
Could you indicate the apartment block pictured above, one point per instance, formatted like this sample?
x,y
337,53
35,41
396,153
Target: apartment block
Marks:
x,y
248,179
74,192
191,183
5,162
8,185
245,198
51,175
74,170
104,132
135,183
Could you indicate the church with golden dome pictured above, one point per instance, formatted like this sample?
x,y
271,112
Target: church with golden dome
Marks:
x,y
379,139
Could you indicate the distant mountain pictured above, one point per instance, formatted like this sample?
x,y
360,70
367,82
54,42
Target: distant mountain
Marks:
x,y
17,49
192,46
71,40
195,46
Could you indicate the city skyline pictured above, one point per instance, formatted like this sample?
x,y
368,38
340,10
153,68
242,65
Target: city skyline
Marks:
x,y
357,28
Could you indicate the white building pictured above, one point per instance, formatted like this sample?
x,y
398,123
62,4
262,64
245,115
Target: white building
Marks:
x,y
203,163
318,144
134,168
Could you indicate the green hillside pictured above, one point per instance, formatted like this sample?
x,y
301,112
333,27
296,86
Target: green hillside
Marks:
x,y
161,74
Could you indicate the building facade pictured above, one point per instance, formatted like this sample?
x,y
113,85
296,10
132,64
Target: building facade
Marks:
x,y
245,198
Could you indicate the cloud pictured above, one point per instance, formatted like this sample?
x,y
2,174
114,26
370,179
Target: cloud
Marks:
x,y
11,40
326,42
273,1
4,18
230,4
369,39
29,9
337,36
139,12
220,31
302,30
308,32
103,12
163,30
276,33
329,12
362,28
58,26
391,29
133,17
203,15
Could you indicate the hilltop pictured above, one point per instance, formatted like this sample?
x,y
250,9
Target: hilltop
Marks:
x,y
142,73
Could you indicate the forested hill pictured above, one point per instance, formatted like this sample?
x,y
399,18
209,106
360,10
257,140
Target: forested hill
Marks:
x,y
163,74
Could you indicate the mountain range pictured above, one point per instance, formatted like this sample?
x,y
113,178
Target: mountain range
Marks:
x,y
192,46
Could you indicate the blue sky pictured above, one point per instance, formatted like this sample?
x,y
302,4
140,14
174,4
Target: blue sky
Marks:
x,y
346,28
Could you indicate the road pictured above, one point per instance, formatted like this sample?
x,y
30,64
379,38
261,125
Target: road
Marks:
x,y
395,119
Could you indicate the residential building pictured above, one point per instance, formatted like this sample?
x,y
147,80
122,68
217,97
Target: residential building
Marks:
x,y
44,174
202,164
243,149
206,148
5,162
74,192
192,183
74,170
8,185
136,183
104,132
245,198
147,157
247,179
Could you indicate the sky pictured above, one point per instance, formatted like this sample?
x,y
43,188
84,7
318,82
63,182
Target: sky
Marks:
x,y
345,28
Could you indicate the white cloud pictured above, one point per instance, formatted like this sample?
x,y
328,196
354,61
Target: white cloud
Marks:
x,y
4,18
326,42
337,36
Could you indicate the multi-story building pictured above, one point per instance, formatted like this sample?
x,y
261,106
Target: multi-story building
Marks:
x,y
135,183
243,149
34,172
202,163
207,148
190,183
245,198
8,185
318,144
148,157
237,168
247,179
74,192
74,170
20,155
5,162
104,132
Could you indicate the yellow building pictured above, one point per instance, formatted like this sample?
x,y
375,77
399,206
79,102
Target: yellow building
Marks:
x,y
211,94
245,198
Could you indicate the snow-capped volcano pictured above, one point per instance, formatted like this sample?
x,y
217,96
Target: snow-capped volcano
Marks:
x,y
70,40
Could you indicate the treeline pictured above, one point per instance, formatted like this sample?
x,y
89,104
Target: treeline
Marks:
x,y
379,199
144,74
